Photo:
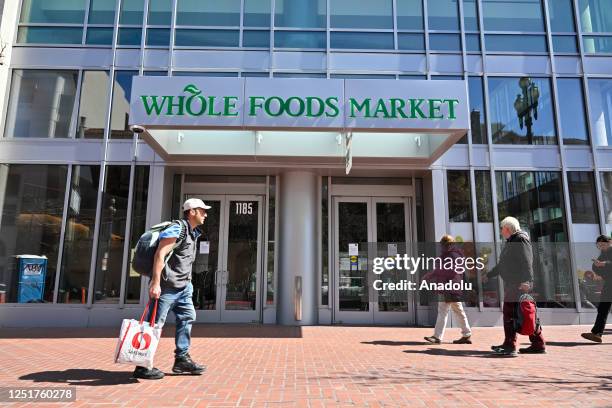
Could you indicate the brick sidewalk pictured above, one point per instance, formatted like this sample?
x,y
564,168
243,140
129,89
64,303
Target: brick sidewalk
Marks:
x,y
317,366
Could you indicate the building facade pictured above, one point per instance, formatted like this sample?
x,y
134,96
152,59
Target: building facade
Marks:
x,y
292,204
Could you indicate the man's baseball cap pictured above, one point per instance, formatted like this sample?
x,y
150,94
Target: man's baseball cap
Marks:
x,y
194,203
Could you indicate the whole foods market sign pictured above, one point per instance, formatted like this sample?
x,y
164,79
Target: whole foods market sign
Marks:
x,y
174,102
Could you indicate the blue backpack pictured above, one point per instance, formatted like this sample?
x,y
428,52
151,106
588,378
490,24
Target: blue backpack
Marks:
x,y
144,255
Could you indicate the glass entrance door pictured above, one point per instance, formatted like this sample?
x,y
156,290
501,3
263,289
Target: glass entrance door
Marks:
x,y
364,228
227,269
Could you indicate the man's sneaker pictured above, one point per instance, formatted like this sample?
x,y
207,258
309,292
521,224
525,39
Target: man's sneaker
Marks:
x,y
505,352
433,339
146,374
532,350
185,365
501,346
592,336
463,340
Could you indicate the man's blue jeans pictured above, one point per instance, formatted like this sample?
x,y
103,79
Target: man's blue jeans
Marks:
x,y
181,304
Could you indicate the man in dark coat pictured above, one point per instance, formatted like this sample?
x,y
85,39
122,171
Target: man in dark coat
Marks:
x,y
515,267
602,266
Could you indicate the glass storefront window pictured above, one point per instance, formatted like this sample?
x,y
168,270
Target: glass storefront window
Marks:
x,y
32,203
565,44
158,37
79,235
484,203
583,203
511,15
56,11
256,13
571,111
129,36
606,193
602,44
208,13
207,38
132,12
536,200
99,36
600,103
41,103
459,199
470,15
160,12
111,236
324,240
122,89
300,39
91,119
472,43
409,14
300,14
443,15
102,12
515,43
137,228
444,42
361,14
478,122
271,241
257,39
411,42
513,106
561,14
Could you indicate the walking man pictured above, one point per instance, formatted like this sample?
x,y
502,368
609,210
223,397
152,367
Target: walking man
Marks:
x,y
515,267
171,284
602,266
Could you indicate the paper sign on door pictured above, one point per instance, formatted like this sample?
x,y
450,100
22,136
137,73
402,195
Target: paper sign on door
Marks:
x,y
204,247
353,249
391,249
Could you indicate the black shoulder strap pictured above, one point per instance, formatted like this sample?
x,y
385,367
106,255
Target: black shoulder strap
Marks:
x,y
183,232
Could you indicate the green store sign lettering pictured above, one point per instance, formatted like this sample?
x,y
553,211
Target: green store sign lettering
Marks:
x,y
195,103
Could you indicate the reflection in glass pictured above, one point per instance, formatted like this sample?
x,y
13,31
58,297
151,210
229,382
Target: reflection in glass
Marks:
x,y
137,228
102,12
536,200
595,16
208,13
122,89
515,43
459,199
207,38
443,15
353,270
41,103
561,14
256,13
132,12
478,123
299,39
484,203
111,237
521,111
391,237
597,44
606,193
50,35
600,103
32,209
581,186
409,14
160,12
242,248
300,14
571,111
79,235
361,14
370,41
511,15
93,103
56,11
205,270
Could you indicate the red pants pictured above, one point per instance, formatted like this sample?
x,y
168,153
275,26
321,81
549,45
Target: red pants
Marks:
x,y
509,309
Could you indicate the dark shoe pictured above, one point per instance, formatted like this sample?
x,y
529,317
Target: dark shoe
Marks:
x,y
433,339
532,350
463,340
146,374
592,336
185,365
508,352
501,346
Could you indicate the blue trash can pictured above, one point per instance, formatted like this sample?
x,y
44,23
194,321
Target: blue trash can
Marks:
x,y
32,272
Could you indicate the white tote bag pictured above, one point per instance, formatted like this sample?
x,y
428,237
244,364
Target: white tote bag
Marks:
x,y
138,340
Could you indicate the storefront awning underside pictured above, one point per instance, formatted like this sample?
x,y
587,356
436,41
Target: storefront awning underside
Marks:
x,y
413,147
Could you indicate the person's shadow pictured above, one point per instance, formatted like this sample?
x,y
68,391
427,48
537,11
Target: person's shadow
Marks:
x,y
394,343
455,353
82,376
